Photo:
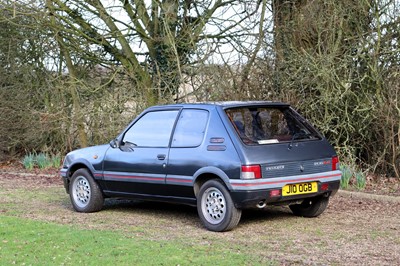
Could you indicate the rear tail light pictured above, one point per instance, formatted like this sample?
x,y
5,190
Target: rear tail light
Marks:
x,y
335,163
251,171
324,187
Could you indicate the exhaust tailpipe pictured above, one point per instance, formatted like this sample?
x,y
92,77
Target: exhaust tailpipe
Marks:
x,y
261,204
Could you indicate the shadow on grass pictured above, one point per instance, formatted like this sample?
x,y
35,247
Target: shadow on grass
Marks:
x,y
123,204
151,208
269,213
189,214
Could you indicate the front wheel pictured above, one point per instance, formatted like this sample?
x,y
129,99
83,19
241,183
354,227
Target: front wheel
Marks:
x,y
310,207
216,208
85,193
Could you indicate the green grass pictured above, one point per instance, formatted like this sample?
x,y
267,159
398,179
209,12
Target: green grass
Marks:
x,y
28,242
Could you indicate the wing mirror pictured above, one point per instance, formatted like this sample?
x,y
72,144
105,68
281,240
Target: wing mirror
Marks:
x,y
114,143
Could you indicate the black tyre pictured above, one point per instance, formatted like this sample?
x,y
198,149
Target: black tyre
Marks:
x,y
85,193
310,207
215,207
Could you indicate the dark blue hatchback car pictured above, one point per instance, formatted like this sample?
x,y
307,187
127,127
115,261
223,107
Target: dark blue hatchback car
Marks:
x,y
221,157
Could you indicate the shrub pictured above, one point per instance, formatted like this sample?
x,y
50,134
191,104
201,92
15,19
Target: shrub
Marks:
x,y
41,160
29,161
56,161
347,173
360,180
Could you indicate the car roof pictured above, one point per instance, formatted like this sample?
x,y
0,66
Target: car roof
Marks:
x,y
224,104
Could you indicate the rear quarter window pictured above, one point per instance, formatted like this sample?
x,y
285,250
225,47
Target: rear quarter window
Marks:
x,y
190,128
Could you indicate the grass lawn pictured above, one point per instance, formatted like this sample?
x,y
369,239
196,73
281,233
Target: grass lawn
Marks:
x,y
38,226
28,242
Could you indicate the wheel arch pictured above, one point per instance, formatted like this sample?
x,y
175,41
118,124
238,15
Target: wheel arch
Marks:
x,y
207,173
75,167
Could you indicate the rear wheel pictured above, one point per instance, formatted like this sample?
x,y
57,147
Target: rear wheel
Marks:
x,y
216,208
85,193
310,207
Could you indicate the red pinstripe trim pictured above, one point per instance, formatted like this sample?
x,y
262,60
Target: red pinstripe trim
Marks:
x,y
284,181
134,177
171,179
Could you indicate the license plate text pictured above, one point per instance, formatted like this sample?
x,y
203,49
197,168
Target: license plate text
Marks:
x,y
301,188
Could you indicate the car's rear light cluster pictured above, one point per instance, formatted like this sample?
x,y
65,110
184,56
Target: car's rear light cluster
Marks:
x,y
335,163
251,171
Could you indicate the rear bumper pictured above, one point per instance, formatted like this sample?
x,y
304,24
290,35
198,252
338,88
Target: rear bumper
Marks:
x,y
248,193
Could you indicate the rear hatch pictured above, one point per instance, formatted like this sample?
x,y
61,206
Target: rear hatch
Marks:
x,y
281,141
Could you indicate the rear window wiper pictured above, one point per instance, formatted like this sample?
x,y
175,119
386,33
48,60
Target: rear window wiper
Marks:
x,y
298,135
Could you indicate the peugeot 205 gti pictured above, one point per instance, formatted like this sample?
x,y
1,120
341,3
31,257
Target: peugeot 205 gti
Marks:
x,y
221,157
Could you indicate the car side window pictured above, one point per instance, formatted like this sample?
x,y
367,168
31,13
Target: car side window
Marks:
x,y
190,128
152,130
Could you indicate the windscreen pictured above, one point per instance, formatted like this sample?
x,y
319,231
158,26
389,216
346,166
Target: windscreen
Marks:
x,y
267,125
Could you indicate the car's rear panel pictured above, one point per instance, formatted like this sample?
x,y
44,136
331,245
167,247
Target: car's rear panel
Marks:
x,y
295,160
307,167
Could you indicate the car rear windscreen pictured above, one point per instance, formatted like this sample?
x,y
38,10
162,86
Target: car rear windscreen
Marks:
x,y
268,125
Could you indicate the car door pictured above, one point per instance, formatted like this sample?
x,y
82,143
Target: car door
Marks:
x,y
138,165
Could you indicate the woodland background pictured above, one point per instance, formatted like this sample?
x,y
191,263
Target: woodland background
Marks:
x,y
73,73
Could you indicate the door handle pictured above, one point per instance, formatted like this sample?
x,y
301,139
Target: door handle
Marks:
x,y
161,157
